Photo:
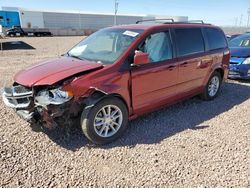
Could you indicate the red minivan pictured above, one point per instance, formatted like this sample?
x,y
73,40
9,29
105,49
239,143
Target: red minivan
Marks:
x,y
119,73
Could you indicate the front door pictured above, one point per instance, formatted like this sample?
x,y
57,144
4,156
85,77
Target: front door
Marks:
x,y
154,83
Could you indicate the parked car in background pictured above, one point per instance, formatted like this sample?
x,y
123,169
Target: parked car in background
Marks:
x,y
2,32
240,57
120,73
18,31
230,37
2,35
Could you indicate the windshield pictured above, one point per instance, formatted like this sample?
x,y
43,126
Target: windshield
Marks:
x,y
105,46
240,41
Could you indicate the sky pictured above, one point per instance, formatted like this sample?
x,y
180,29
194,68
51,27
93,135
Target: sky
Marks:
x,y
218,12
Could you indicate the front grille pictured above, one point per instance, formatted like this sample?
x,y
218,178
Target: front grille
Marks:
x,y
22,100
17,96
21,89
233,73
235,63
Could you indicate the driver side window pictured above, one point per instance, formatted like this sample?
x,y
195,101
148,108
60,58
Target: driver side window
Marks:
x,y
158,47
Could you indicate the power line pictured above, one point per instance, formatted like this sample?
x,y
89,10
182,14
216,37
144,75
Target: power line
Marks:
x,y
241,17
116,9
248,18
236,21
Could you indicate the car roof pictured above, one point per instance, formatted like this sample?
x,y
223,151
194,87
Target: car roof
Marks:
x,y
246,34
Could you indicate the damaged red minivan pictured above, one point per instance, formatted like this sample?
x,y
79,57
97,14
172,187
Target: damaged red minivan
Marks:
x,y
119,73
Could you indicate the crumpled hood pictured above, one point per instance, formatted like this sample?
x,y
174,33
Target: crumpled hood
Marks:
x,y
52,71
240,52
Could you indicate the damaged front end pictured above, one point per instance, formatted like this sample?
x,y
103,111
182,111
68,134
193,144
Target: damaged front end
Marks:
x,y
43,106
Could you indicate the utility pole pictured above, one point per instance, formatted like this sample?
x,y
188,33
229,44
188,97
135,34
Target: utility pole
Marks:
x,y
236,21
248,18
241,17
116,9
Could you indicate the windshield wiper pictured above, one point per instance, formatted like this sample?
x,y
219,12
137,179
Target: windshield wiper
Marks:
x,y
74,56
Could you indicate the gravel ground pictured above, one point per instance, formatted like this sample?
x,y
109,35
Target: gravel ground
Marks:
x,y
190,144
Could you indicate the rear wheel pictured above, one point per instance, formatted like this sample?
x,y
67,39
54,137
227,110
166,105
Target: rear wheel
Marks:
x,y
105,121
213,87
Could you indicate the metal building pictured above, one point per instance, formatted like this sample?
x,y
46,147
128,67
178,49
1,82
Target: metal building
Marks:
x,y
65,21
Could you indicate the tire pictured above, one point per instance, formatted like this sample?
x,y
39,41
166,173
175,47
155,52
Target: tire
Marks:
x,y
214,79
100,130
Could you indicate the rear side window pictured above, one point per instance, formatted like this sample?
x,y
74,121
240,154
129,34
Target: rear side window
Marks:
x,y
189,41
215,38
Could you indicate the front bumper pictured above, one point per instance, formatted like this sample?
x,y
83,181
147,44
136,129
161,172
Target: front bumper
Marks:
x,y
239,71
21,99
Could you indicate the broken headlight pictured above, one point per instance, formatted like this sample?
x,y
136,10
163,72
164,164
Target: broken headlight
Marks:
x,y
54,96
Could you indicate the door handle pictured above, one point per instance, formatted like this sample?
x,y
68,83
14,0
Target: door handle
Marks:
x,y
184,64
205,63
171,67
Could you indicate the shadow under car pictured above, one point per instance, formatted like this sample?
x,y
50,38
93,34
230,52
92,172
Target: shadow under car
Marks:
x,y
159,125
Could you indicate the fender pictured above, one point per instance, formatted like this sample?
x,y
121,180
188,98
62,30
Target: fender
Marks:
x,y
214,67
96,86
96,95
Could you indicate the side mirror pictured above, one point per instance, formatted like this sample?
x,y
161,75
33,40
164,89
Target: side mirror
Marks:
x,y
141,58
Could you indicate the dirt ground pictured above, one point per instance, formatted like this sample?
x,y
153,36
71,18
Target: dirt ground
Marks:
x,y
190,144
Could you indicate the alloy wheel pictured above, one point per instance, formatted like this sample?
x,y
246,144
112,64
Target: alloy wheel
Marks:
x,y
108,121
213,86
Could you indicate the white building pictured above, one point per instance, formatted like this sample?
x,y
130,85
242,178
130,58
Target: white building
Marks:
x,y
59,21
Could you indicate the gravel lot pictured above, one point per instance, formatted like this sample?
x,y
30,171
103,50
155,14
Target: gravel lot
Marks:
x,y
190,144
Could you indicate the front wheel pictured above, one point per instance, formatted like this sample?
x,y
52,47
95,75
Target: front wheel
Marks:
x,y
213,87
105,121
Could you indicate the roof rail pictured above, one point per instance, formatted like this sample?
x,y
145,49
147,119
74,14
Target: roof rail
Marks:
x,y
170,19
188,22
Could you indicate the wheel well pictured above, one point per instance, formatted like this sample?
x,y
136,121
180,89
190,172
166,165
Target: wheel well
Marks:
x,y
121,98
220,71
96,96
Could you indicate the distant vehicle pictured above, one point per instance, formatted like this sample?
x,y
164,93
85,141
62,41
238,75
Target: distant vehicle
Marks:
x,y
230,37
2,33
120,73
240,57
19,32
